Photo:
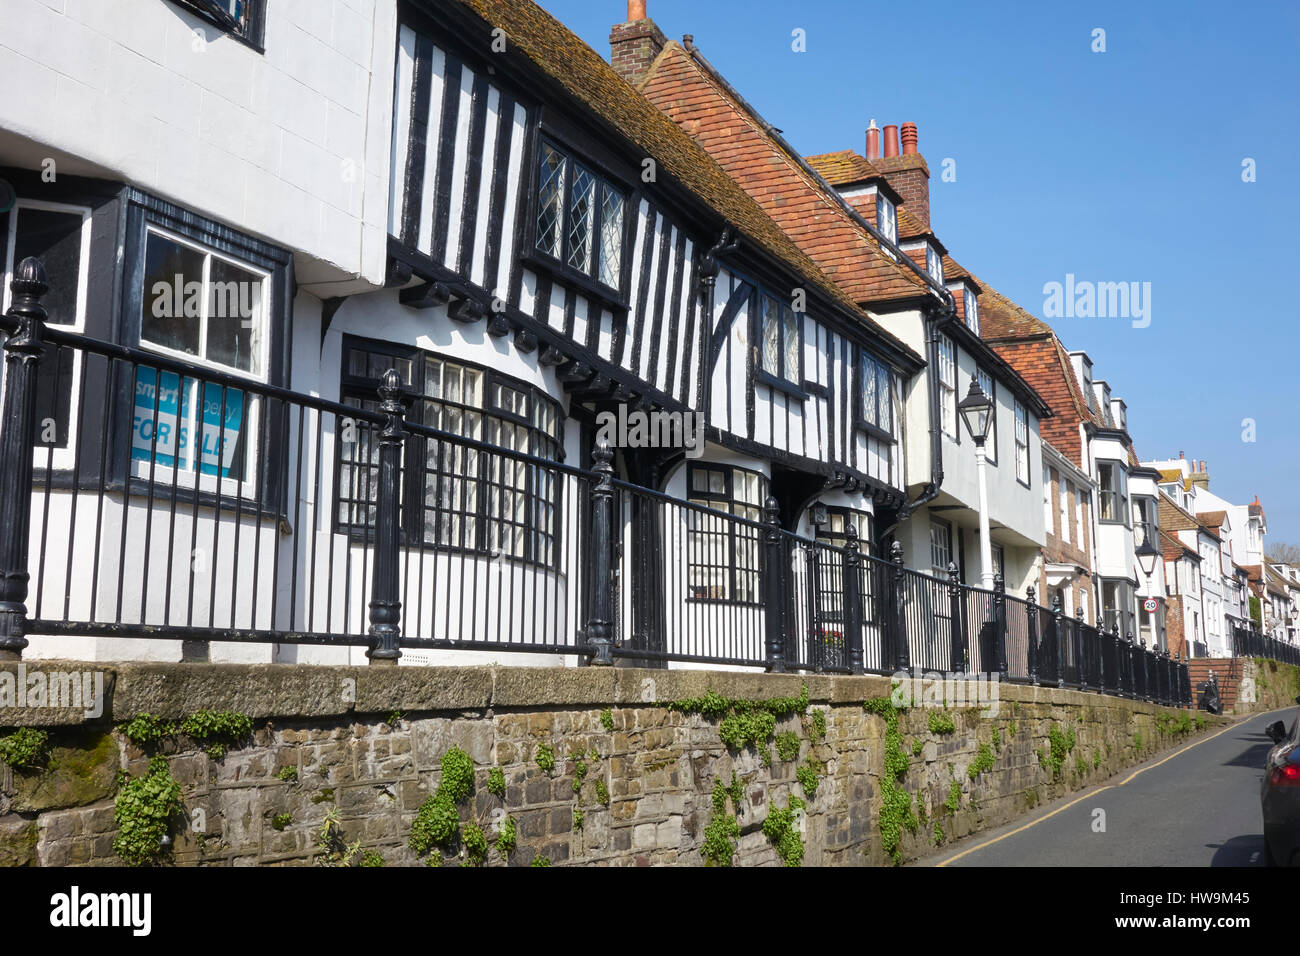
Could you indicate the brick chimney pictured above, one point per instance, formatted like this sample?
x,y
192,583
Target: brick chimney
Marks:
x,y
1200,476
635,44
907,173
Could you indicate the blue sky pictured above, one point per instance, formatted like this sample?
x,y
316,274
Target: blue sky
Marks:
x,y
1117,166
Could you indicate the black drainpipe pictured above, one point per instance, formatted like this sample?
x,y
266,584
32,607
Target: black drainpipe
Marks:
x,y
933,319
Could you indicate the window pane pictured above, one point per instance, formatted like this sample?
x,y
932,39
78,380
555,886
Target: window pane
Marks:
x,y
235,317
550,202
869,390
771,337
792,363
171,306
885,399
55,239
581,213
611,237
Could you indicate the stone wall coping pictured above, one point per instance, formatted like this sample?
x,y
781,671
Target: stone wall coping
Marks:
x,y
173,690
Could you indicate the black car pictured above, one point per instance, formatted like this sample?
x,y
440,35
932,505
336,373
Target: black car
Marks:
x,y
1280,795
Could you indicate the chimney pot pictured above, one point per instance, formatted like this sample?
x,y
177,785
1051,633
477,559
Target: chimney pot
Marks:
x,y
688,41
891,140
873,141
909,139
635,10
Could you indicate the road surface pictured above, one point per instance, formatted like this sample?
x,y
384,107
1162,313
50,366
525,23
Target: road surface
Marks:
x,y
1196,805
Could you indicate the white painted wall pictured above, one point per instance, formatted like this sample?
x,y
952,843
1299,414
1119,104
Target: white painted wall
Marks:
x,y
291,144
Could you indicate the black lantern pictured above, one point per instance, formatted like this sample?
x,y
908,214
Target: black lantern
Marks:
x,y
977,412
820,516
1146,556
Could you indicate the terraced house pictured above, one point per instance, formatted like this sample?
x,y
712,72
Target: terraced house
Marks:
x,y
455,237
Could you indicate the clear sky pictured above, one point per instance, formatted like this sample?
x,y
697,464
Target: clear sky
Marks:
x,y
1122,166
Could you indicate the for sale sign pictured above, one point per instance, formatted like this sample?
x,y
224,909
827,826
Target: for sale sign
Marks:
x,y
169,430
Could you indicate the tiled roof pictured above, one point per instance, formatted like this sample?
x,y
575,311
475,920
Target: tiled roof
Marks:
x,y
1000,318
1172,548
1211,519
686,88
583,73
843,168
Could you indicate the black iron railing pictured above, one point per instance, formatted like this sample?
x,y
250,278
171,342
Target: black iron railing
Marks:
x,y
145,496
1247,642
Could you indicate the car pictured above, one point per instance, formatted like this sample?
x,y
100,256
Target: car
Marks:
x,y
1280,795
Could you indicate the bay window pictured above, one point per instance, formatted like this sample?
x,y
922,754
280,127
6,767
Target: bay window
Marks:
x,y
1117,603
453,496
1146,525
1112,477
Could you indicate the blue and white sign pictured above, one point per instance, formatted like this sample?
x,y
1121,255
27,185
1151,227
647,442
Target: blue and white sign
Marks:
x,y
165,437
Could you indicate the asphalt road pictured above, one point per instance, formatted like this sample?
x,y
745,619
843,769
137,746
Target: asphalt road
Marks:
x,y
1197,805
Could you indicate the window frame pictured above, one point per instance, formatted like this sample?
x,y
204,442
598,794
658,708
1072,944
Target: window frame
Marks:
x,y
886,217
1022,448
728,495
945,528
867,359
590,280
1123,507
415,472
934,263
792,385
1152,525
970,304
193,477
948,390
1125,605
57,459
253,35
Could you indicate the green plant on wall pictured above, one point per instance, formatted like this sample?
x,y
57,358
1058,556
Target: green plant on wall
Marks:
x,y
145,730
217,729
917,746
782,831
288,774
578,819
723,829
896,812
545,757
954,797
25,749
941,722
1060,744
496,784
983,761
506,836
540,860
280,821
819,724
437,822
743,723
787,746
142,810
334,849
602,792
476,845
807,775
607,720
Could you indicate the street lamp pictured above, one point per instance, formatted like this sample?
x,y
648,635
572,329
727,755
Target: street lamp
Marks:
x,y
977,412
1146,558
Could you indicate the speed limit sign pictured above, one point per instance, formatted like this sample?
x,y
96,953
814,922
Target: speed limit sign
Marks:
x,y
1150,604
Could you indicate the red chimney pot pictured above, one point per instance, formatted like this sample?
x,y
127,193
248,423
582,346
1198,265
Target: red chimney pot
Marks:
x,y
873,141
635,10
909,139
891,140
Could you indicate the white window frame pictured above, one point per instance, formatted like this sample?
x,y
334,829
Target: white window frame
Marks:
x,y
945,543
948,387
1064,491
1081,498
934,263
192,476
59,459
971,302
886,217
1022,443
1049,511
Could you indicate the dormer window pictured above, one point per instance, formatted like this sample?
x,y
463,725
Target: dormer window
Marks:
x,y
886,217
971,301
934,263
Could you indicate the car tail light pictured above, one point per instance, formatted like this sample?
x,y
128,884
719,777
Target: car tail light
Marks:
x,y
1287,775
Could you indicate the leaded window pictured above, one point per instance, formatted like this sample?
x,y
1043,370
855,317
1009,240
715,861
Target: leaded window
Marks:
x,y
579,217
781,349
453,496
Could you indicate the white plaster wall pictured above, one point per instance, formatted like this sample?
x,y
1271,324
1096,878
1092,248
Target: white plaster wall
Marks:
x,y
291,144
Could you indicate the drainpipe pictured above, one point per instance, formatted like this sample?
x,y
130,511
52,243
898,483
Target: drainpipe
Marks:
x,y
934,318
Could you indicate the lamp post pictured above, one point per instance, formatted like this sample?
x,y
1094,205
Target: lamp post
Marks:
x,y
977,412
1146,557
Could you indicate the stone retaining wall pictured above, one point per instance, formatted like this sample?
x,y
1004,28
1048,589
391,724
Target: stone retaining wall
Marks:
x,y
368,742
